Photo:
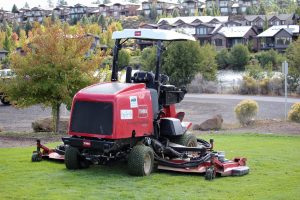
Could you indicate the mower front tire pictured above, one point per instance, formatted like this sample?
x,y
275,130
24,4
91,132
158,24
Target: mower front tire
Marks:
x,y
140,161
73,160
187,139
36,157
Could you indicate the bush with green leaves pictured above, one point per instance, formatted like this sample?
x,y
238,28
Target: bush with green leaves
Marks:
x,y
222,59
124,58
249,85
239,57
245,111
270,56
148,58
294,113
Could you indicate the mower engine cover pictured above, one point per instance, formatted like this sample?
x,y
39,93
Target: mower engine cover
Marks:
x,y
112,111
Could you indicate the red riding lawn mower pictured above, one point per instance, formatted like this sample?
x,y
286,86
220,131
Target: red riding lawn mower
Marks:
x,y
137,121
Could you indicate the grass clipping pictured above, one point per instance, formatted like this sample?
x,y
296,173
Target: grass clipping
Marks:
x,y
246,111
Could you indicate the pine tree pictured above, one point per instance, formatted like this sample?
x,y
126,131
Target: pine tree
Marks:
x,y
14,9
26,5
7,44
28,27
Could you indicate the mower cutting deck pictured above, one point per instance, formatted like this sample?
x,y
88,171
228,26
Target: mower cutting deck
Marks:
x,y
201,159
137,121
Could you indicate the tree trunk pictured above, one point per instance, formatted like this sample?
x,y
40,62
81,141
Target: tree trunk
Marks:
x,y
56,116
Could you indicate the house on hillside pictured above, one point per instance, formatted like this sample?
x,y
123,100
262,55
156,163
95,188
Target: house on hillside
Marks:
x,y
3,54
204,32
120,9
77,12
258,21
190,7
6,15
227,37
278,37
62,12
230,7
160,6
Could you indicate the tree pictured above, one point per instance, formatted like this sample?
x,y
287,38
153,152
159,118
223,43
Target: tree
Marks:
x,y
28,27
7,44
22,39
208,65
134,1
148,58
222,59
102,22
153,12
239,57
181,62
14,9
52,70
270,56
84,21
50,3
61,3
106,1
262,10
124,58
26,5
266,24
175,13
292,54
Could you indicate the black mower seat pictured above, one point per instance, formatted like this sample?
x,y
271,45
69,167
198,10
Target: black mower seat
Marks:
x,y
144,77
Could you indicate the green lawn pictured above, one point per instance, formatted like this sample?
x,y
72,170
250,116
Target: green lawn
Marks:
x,y
274,163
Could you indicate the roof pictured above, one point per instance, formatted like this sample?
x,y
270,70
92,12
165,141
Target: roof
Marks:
x,y
234,32
270,32
151,34
279,16
204,19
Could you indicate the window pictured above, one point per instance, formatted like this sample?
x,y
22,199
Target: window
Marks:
x,y
283,41
201,31
224,10
218,42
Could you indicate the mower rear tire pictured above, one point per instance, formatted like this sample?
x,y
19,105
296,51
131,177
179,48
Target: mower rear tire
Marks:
x,y
187,139
73,160
141,161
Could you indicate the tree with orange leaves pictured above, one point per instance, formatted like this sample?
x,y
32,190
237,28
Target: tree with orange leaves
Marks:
x,y
53,69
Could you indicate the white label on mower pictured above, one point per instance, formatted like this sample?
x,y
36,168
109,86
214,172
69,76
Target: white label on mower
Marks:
x,y
126,114
133,102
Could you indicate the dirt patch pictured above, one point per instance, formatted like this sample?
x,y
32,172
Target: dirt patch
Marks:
x,y
27,139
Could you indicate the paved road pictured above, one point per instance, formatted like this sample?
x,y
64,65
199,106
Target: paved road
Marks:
x,y
198,107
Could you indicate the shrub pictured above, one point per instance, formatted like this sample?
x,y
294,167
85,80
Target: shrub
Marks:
x,y
245,111
264,86
222,59
254,70
270,56
276,85
294,113
239,57
249,85
124,58
200,85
